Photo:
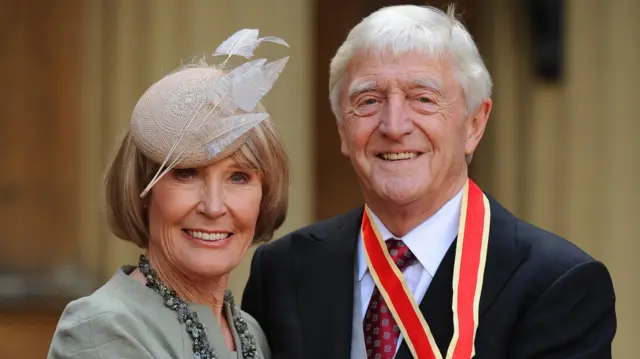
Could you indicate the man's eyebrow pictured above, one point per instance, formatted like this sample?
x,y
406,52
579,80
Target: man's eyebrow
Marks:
x,y
357,89
428,84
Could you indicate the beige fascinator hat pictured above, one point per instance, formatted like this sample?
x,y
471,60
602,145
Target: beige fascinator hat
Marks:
x,y
195,116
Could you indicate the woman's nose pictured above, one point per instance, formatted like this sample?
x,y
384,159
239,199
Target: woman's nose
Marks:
x,y
212,202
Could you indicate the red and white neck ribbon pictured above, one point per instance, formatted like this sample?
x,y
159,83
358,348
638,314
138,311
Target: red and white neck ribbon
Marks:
x,y
471,254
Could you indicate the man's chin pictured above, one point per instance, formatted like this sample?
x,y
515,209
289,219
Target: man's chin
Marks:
x,y
399,193
386,191
399,199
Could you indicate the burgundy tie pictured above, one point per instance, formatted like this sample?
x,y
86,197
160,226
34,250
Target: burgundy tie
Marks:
x,y
380,330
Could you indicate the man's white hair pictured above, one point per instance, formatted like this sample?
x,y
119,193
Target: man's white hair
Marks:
x,y
407,28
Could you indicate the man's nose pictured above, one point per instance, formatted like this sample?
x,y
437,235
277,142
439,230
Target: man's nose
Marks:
x,y
395,121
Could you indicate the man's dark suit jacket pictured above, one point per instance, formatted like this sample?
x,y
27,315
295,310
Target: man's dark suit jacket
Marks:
x,y
542,296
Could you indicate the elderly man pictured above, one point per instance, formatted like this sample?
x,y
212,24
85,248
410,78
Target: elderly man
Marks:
x,y
430,266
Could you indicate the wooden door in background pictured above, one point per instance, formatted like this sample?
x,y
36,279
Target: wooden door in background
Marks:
x,y
40,68
337,189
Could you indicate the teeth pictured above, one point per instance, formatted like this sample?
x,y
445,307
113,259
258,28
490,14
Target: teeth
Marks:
x,y
398,156
208,236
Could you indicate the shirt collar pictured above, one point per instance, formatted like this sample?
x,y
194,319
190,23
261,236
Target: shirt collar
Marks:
x,y
429,241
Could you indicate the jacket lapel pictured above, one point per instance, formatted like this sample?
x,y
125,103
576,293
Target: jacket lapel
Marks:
x,y
504,254
324,264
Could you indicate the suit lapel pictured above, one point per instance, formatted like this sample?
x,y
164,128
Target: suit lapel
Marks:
x,y
504,254
324,264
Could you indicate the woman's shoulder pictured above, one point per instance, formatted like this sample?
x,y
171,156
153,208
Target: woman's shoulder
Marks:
x,y
85,319
257,331
103,301
93,325
115,298
105,320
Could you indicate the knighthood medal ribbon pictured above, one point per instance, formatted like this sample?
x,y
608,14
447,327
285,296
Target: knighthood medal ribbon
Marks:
x,y
471,253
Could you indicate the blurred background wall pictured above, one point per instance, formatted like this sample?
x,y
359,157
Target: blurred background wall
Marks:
x,y
561,148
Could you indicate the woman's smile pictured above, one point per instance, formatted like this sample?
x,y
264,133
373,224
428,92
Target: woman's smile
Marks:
x,y
212,239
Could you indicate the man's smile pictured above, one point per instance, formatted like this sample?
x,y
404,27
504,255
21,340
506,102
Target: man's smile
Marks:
x,y
398,156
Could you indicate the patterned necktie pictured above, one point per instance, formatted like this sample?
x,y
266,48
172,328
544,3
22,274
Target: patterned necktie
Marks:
x,y
380,329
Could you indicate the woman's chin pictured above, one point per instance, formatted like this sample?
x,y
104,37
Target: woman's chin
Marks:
x,y
208,271
207,263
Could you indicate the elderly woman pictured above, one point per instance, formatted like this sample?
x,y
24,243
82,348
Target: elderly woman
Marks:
x,y
200,176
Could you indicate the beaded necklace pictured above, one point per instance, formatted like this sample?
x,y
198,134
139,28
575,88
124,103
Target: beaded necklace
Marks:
x,y
202,348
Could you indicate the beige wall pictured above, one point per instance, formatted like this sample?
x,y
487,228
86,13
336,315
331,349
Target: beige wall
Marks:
x,y
565,156
130,44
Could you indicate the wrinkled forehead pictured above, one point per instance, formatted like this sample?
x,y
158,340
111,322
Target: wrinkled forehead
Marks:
x,y
383,70
393,84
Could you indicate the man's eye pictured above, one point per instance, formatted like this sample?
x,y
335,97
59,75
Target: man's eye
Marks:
x,y
367,106
366,101
424,104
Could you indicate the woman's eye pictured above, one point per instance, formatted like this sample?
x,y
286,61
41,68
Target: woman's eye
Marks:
x,y
425,100
184,173
239,177
370,101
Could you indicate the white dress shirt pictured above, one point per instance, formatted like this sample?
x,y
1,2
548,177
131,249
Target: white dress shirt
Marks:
x,y
429,242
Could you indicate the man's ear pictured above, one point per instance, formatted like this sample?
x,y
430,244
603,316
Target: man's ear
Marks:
x,y
344,145
477,125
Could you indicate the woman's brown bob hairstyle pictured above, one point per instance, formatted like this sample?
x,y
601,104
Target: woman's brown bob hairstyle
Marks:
x,y
130,172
